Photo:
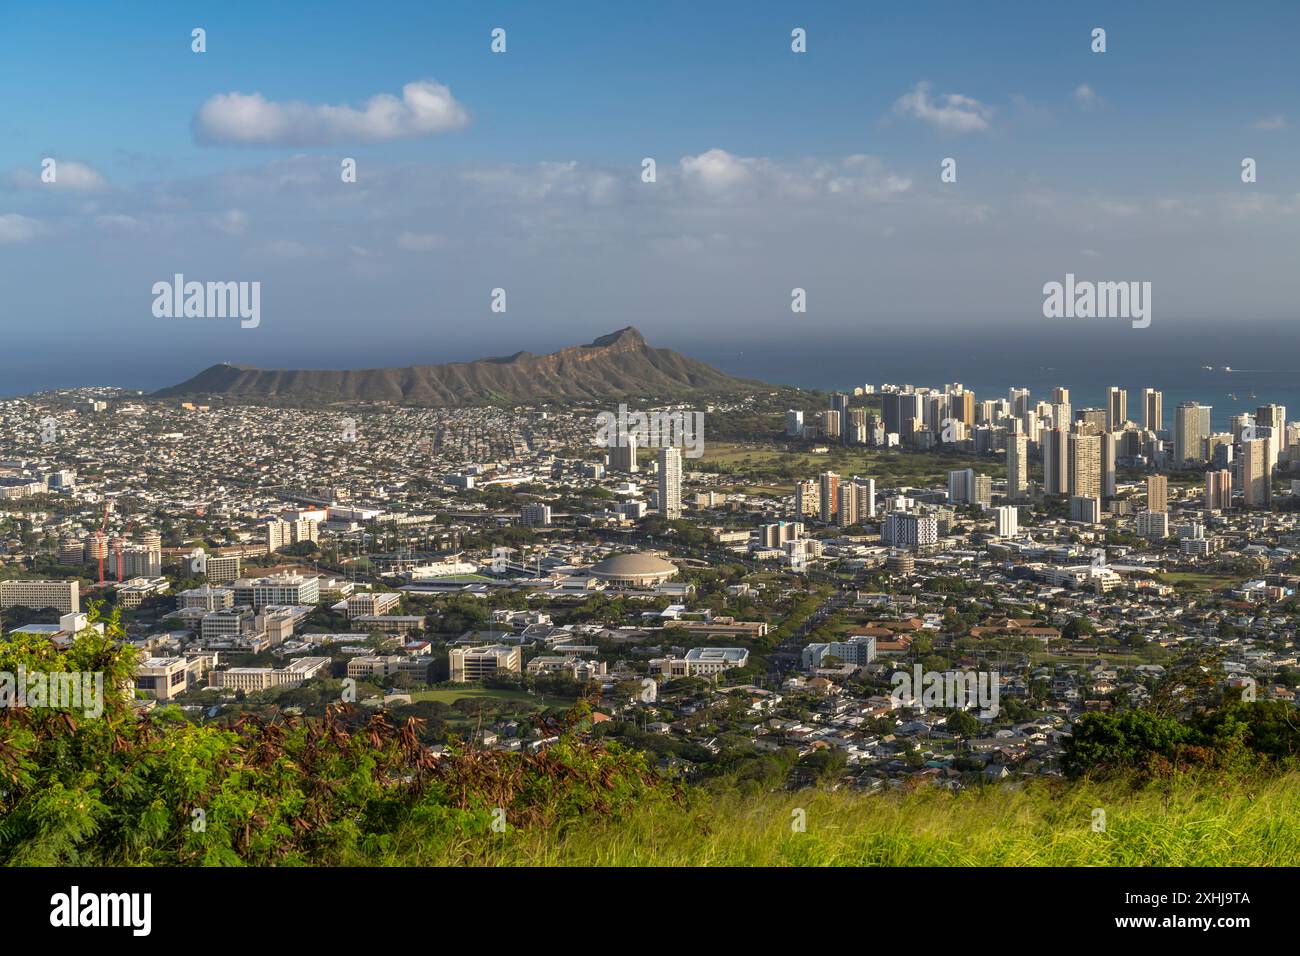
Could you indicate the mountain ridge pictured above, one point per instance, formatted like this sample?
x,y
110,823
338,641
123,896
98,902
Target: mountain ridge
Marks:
x,y
615,365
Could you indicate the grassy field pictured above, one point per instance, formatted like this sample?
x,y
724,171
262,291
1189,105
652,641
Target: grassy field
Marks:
x,y
766,464
1185,822
1199,580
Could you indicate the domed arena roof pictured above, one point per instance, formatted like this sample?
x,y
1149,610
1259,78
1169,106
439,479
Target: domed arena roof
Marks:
x,y
638,568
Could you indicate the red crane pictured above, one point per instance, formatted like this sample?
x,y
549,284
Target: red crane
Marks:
x,y
101,548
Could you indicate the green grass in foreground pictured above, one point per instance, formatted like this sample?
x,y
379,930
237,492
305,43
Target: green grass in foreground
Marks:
x,y
1183,822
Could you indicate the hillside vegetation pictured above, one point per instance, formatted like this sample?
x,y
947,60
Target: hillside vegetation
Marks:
x,y
352,788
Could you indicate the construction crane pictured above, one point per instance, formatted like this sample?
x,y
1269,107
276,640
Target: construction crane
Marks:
x,y
101,546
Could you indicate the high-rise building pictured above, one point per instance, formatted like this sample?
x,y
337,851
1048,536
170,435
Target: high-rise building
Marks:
x,y
961,486
794,423
622,456
1218,490
1191,429
903,529
1256,476
281,533
840,405
535,514
1157,493
1060,396
830,423
828,492
1056,461
855,427
807,498
670,482
1017,467
865,492
71,550
1092,420
1108,444
1271,416
962,407
1085,508
1116,408
1008,521
846,514
1153,525
1153,409
1085,466
222,569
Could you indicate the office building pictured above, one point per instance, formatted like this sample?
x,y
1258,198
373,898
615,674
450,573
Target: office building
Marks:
x,y
64,596
293,589
475,663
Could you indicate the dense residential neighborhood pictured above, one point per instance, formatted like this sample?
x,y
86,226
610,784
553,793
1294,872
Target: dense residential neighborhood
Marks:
x,y
482,567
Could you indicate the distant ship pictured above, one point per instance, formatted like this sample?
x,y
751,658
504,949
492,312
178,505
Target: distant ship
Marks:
x,y
1227,368
1233,396
1208,368
1252,396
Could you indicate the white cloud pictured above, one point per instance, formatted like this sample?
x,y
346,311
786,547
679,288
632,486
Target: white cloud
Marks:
x,y
68,174
718,174
1086,97
1271,123
16,228
252,120
717,171
949,113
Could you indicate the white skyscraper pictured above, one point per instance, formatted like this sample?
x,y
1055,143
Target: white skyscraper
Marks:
x,y
670,482
1008,519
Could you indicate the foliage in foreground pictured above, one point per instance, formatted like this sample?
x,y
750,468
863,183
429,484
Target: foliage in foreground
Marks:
x,y
158,790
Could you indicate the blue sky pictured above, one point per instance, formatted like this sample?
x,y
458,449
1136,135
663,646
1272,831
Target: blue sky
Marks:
x,y
521,171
